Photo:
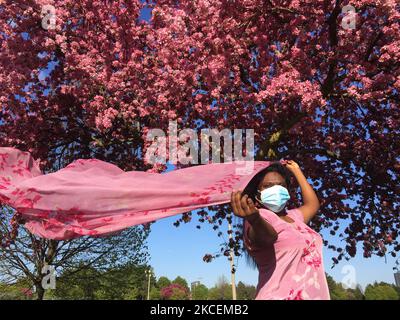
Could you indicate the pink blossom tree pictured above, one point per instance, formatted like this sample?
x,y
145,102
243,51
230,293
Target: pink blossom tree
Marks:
x,y
174,291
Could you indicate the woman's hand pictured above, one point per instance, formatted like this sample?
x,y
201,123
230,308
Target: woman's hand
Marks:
x,y
291,165
243,206
260,232
311,203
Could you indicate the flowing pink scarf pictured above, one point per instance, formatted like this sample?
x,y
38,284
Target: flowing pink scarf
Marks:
x,y
94,198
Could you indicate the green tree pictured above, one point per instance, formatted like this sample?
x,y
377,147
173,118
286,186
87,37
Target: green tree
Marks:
x,y
163,282
19,290
199,292
355,294
333,289
338,292
182,282
397,290
155,293
84,284
127,282
221,291
381,291
245,292
28,254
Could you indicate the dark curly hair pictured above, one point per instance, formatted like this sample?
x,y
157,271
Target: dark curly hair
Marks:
x,y
251,191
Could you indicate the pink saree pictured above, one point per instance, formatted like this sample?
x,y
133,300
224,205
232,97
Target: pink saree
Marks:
x,y
94,198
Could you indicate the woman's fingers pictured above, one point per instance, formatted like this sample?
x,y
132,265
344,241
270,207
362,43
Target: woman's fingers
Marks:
x,y
233,203
248,205
251,205
236,203
243,202
242,206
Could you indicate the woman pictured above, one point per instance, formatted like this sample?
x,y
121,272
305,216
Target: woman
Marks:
x,y
287,252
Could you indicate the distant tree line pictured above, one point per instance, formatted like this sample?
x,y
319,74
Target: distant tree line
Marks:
x,y
130,282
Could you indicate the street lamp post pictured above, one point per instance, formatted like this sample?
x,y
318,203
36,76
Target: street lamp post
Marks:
x,y
148,274
194,284
397,278
231,253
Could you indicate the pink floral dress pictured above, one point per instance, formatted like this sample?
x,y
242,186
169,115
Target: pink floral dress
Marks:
x,y
291,268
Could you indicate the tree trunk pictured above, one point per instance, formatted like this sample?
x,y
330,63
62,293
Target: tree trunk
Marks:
x,y
39,291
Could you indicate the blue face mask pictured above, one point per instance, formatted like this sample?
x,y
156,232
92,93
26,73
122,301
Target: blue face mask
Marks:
x,y
275,197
